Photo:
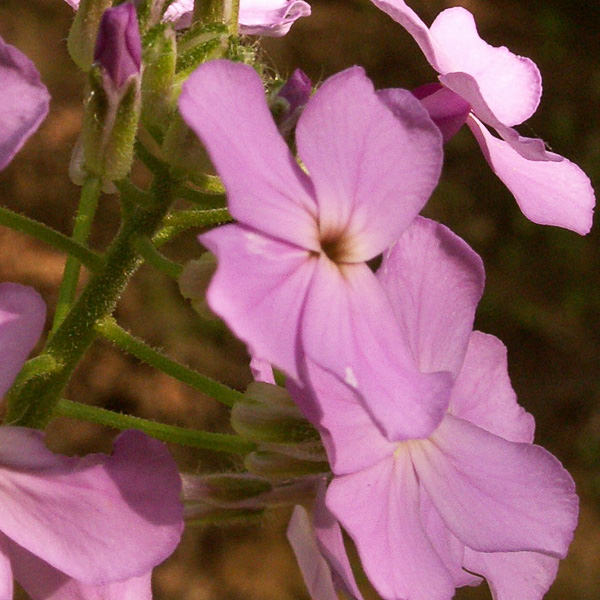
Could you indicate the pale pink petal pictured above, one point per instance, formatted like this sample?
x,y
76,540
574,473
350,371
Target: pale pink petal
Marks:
x,y
449,548
434,281
6,575
511,85
350,330
259,290
24,101
74,4
224,103
270,17
548,192
43,582
22,317
510,575
483,395
98,518
331,544
447,110
373,169
495,495
314,567
179,13
262,370
379,508
408,18
352,440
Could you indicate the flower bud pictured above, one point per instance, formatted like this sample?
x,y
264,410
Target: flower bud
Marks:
x,y
268,414
158,91
118,49
112,105
290,100
279,466
84,30
194,280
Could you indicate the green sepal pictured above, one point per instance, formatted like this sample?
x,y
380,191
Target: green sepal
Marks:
x,y
84,30
160,59
268,414
199,44
279,466
109,127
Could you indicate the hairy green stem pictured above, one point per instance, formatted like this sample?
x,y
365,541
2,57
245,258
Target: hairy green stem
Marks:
x,y
153,257
111,331
91,260
180,221
219,442
90,192
31,402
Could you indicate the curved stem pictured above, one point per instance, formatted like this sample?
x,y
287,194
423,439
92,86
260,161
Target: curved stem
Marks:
x,y
180,221
30,403
219,442
153,257
111,331
91,260
90,192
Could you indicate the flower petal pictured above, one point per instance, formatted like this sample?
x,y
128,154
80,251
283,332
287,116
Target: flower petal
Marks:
x,y
434,281
352,440
523,575
180,13
314,567
224,103
43,582
511,85
24,101
495,495
349,329
22,317
259,290
449,548
331,544
482,393
6,575
98,518
379,508
447,110
553,192
270,17
373,169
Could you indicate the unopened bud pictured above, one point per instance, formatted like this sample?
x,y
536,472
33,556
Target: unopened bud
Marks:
x,y
118,49
84,30
158,92
279,466
290,100
112,106
194,280
268,414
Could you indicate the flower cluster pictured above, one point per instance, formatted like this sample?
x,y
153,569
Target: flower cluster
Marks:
x,y
397,423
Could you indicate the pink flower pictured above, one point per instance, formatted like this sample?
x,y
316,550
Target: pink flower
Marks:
x,y
319,549
475,496
89,528
486,85
292,278
257,17
24,101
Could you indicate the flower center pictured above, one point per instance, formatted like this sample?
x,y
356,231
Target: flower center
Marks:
x,y
335,248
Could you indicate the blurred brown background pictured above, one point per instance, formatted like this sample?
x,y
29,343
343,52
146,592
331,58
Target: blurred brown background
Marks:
x,y
542,284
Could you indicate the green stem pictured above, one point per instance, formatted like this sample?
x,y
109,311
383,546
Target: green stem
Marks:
x,y
109,329
30,404
202,198
153,257
180,221
90,193
91,260
219,442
